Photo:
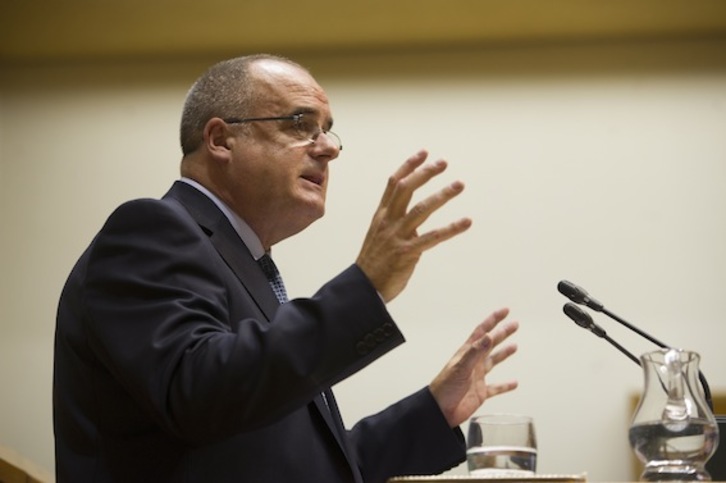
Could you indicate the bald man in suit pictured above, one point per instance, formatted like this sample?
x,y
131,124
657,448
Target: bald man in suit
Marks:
x,y
178,356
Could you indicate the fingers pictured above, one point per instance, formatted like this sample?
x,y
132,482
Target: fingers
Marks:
x,y
478,355
423,209
406,186
392,246
408,167
503,331
462,387
434,237
500,388
488,324
494,339
503,354
490,335
406,180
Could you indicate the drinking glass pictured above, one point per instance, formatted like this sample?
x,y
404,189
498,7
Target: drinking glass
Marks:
x,y
501,445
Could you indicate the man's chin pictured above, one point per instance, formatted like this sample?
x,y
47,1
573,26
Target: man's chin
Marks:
x,y
313,211
302,221
314,206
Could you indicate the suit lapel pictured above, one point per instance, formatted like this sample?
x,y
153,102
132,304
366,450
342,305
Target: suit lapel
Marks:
x,y
225,239
239,259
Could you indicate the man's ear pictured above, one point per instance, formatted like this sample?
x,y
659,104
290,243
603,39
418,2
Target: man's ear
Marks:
x,y
217,136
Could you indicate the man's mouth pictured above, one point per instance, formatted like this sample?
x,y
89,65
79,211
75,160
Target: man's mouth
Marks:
x,y
313,178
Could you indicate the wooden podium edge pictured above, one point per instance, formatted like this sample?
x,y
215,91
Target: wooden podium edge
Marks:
x,y
16,468
498,479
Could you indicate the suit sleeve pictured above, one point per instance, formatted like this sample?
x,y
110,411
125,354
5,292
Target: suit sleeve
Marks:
x,y
410,437
158,304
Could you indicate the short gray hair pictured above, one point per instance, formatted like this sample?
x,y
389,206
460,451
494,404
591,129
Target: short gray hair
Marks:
x,y
225,90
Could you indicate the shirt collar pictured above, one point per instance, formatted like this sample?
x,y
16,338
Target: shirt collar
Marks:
x,y
248,236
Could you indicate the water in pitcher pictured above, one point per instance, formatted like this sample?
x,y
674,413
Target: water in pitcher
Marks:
x,y
664,446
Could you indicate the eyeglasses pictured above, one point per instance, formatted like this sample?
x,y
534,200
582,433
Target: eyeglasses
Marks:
x,y
305,127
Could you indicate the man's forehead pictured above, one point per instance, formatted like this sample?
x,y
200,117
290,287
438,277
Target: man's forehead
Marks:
x,y
289,86
276,69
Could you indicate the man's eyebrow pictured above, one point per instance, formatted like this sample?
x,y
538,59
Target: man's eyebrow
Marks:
x,y
306,110
311,110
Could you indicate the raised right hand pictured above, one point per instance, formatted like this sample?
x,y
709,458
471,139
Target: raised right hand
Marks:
x,y
392,246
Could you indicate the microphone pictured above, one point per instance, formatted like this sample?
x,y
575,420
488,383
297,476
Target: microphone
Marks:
x,y
580,296
583,319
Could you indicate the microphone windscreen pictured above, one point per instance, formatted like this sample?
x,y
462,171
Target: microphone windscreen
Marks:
x,y
579,316
571,291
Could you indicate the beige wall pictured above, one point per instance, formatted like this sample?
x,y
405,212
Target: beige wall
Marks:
x,y
604,164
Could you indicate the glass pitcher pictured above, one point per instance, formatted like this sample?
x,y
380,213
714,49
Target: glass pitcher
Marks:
x,y
673,431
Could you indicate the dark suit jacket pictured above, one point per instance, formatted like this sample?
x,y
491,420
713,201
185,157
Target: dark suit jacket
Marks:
x,y
175,362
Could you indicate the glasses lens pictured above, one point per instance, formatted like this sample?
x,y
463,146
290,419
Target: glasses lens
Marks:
x,y
334,139
308,129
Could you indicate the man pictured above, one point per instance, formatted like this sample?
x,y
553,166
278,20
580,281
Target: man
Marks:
x,y
178,358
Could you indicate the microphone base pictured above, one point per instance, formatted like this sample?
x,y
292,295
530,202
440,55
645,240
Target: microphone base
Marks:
x,y
716,466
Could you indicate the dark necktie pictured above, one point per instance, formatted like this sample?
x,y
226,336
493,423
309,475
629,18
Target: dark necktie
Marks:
x,y
275,280
273,277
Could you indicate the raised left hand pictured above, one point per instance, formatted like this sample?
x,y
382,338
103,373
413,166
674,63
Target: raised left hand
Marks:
x,y
461,386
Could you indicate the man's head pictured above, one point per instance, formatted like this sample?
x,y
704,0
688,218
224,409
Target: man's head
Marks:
x,y
271,172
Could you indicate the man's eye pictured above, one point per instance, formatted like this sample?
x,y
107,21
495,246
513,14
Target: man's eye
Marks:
x,y
306,125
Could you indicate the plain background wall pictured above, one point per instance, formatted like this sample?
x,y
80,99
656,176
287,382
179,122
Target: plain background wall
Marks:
x,y
604,164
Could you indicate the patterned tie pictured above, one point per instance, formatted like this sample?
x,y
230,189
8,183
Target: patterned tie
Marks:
x,y
273,276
